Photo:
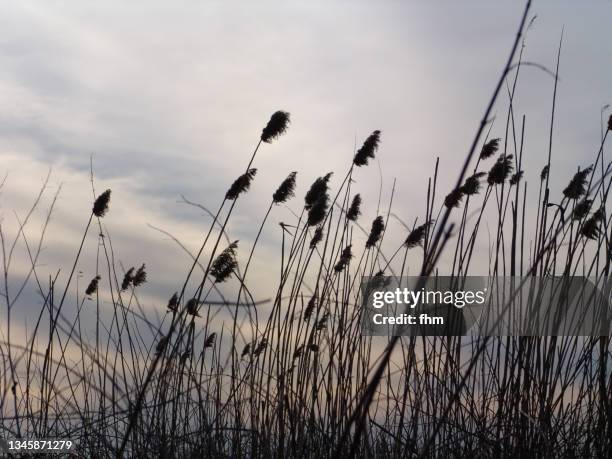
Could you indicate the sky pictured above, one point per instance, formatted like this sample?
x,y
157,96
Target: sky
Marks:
x,y
168,99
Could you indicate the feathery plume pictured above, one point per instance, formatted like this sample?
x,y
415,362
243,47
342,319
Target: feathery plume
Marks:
x,y
322,322
472,184
210,340
344,259
367,150
161,345
317,190
378,225
225,263
544,173
354,210
173,302
317,212
279,121
240,185
310,307
140,277
590,228
246,350
379,280
453,199
417,235
489,148
100,206
577,185
285,190
127,279
93,286
516,178
610,123
582,209
192,307
316,238
260,347
500,170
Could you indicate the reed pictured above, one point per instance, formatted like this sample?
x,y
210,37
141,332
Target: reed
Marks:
x,y
295,376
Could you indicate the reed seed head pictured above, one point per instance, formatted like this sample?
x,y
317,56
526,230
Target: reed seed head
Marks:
x,y
489,148
246,350
161,345
93,286
472,184
591,228
610,123
173,302
140,277
100,206
285,190
127,279
240,185
322,323
367,150
210,341
379,280
378,226
582,209
310,307
318,188
317,237
500,170
354,210
345,257
453,199
317,212
279,121
577,185
192,307
260,347
225,263
417,235
544,173
516,178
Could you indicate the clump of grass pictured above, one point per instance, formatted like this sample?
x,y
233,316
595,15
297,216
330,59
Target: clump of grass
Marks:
x,y
296,377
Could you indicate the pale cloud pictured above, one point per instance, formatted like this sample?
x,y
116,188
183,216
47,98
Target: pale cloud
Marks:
x,y
170,99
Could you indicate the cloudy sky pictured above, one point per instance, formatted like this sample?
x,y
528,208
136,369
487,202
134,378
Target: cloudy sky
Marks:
x,y
170,98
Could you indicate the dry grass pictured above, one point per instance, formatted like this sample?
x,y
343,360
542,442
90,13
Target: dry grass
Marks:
x,y
301,380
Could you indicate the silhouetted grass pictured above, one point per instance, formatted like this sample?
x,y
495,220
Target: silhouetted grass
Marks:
x,y
296,378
